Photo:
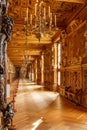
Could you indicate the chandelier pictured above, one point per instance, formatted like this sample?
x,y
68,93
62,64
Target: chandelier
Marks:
x,y
40,22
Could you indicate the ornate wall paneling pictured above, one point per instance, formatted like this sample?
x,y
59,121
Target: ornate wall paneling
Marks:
x,y
84,98
63,82
35,70
63,63
48,68
10,70
78,54
84,94
77,45
74,57
39,70
52,57
73,86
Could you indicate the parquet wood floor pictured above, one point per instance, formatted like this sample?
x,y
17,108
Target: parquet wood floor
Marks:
x,y
38,109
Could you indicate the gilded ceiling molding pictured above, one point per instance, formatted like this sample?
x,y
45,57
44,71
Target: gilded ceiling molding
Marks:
x,y
56,37
72,1
85,35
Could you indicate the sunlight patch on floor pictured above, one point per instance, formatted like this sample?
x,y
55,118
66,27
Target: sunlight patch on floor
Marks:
x,y
37,123
29,87
43,99
34,87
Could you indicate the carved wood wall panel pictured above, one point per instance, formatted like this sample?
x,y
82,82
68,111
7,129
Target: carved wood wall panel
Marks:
x,y
48,69
39,70
74,48
74,63
84,98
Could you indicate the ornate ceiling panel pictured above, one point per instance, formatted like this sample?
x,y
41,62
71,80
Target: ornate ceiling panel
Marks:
x,y
63,10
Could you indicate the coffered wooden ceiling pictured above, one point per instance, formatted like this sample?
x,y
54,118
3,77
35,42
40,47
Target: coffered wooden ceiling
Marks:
x,y
64,10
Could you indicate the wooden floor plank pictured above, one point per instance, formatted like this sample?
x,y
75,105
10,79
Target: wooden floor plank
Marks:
x,y
57,112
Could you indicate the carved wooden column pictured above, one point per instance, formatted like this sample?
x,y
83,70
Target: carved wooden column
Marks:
x,y
85,35
84,74
55,67
29,73
42,69
6,24
32,73
36,71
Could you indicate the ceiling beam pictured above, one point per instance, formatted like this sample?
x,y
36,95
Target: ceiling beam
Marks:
x,y
32,53
25,51
20,49
16,62
22,42
73,1
19,60
19,63
16,58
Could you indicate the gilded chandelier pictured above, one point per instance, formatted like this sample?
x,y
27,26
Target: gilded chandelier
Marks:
x,y
42,22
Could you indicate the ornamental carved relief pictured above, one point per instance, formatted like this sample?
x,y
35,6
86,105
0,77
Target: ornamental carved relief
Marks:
x,y
85,36
63,48
74,48
84,49
73,25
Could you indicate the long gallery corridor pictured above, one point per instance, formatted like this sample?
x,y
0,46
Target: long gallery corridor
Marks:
x,y
38,109
43,64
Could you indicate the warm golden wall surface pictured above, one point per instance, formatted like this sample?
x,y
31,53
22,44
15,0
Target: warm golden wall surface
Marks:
x,y
74,63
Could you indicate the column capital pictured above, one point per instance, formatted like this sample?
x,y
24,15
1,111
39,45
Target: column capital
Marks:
x,y
55,45
56,66
43,53
42,56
